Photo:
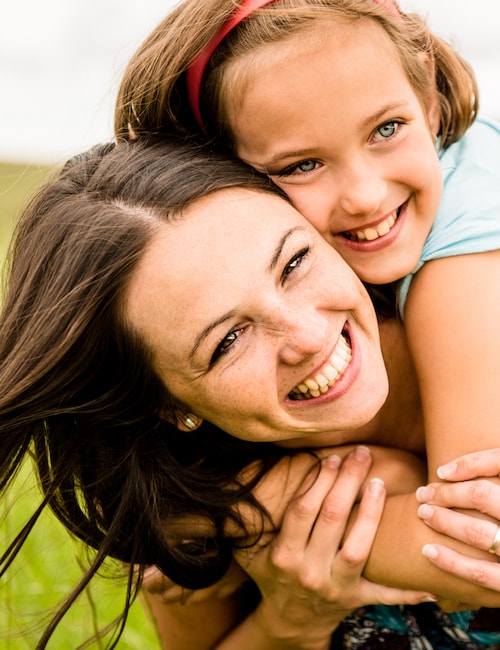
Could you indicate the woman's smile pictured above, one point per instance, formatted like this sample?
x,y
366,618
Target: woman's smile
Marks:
x,y
328,375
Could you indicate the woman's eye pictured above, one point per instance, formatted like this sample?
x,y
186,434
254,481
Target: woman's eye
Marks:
x,y
388,129
225,344
295,262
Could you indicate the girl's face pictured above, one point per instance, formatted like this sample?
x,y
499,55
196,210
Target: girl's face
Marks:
x,y
332,118
244,306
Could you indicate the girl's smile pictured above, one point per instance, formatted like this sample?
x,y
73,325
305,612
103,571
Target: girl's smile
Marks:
x,y
255,323
330,115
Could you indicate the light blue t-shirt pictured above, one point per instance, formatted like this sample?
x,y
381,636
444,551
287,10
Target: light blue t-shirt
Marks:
x,y
468,220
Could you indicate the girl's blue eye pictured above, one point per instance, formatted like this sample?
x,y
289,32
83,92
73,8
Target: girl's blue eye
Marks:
x,y
388,130
304,167
307,166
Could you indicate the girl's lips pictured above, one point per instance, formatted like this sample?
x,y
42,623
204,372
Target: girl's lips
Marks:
x,y
375,237
374,232
323,379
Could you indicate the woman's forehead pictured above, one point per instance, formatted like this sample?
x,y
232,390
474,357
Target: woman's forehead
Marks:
x,y
217,248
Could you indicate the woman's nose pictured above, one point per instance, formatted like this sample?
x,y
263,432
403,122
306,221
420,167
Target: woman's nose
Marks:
x,y
304,334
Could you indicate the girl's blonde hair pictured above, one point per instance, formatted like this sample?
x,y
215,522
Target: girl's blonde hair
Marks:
x,y
153,96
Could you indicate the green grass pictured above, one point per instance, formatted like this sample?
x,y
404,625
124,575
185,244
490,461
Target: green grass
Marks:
x,y
50,563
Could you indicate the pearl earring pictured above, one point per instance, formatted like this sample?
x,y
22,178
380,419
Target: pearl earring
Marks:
x,y
189,422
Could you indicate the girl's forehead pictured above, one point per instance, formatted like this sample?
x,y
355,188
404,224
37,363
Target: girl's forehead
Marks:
x,y
241,72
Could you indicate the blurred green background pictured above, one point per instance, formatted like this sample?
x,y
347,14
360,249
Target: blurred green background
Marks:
x,y
51,562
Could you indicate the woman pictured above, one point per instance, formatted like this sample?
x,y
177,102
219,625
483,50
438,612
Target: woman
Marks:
x,y
119,365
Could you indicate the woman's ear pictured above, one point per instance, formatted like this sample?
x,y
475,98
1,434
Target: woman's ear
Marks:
x,y
187,421
183,420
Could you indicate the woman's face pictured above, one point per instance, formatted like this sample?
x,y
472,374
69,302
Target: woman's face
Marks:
x,y
330,115
244,306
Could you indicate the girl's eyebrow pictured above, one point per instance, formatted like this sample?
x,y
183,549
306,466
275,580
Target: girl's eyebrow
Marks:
x,y
299,153
230,314
375,117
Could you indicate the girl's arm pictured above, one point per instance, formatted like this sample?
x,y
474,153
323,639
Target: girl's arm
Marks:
x,y
308,584
452,320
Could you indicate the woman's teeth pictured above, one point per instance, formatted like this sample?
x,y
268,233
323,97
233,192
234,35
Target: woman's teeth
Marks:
x,y
370,234
327,376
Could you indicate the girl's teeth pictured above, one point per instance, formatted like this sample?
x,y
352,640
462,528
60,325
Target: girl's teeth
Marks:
x,y
370,234
383,229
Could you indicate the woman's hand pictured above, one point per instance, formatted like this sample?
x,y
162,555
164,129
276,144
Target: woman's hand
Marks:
x,y
479,494
310,573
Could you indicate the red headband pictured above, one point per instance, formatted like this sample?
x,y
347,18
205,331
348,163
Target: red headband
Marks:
x,y
199,63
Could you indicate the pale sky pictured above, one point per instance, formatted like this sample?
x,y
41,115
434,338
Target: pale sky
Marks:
x,y
61,61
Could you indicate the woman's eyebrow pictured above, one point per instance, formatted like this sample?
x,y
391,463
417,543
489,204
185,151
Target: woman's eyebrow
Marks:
x,y
206,331
230,314
279,248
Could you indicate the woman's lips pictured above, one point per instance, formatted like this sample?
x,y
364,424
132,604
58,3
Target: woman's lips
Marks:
x,y
323,379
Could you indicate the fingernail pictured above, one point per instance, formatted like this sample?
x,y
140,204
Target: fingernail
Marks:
x,y
333,461
429,551
376,487
425,511
425,493
362,453
447,470
429,599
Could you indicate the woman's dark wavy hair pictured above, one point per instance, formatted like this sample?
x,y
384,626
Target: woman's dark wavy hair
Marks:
x,y
77,388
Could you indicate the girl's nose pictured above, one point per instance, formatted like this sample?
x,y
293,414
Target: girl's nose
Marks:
x,y
361,194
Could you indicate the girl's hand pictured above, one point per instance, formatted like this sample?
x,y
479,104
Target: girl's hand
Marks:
x,y
310,573
481,495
